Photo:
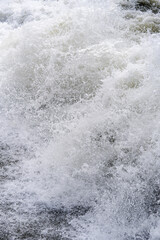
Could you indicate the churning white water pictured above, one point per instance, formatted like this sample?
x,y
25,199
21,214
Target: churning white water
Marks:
x,y
79,120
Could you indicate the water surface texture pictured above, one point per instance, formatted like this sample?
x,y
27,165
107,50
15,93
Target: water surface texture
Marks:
x,y
79,120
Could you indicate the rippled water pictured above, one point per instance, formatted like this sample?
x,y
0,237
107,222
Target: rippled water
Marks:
x,y
80,120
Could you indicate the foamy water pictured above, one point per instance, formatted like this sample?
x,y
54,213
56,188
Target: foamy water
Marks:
x,y
80,120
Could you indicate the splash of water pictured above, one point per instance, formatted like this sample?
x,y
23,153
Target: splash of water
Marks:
x,y
80,127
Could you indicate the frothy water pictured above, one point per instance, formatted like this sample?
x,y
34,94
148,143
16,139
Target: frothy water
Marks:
x,y
80,120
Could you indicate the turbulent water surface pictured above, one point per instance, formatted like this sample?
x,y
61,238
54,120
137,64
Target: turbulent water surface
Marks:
x,y
79,120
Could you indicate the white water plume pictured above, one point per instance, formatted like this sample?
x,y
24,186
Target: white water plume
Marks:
x,y
80,120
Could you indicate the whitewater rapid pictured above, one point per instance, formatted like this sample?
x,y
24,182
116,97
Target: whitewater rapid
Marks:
x,y
79,120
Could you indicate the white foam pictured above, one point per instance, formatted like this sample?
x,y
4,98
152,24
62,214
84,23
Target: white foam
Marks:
x,y
80,93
